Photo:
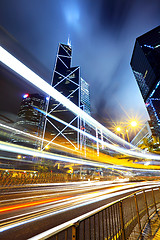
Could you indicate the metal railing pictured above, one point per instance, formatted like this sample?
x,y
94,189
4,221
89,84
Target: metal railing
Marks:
x,y
122,219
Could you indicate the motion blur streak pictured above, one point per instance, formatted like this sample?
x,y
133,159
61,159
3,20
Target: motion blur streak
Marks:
x,y
32,136
91,200
5,209
28,151
25,72
63,225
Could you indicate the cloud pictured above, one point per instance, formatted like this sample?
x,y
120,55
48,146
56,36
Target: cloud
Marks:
x,y
110,33
102,34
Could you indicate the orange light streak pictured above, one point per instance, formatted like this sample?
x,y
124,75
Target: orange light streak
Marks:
x,y
30,204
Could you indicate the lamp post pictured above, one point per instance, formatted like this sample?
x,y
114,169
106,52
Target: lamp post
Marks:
x,y
124,128
127,135
119,130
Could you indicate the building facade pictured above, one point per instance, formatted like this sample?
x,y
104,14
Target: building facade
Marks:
x,y
30,120
85,96
67,80
145,64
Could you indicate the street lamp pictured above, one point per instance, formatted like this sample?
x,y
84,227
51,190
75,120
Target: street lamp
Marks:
x,y
118,129
125,128
133,123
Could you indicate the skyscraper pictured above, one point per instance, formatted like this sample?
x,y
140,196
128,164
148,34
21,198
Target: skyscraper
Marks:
x,y
85,96
30,120
67,80
145,64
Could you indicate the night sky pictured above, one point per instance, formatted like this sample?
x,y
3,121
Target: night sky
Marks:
x,y
102,34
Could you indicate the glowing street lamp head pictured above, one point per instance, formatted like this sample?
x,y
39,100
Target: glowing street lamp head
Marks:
x,y
133,123
118,129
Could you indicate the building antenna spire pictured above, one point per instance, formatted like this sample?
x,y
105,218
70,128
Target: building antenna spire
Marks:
x,y
69,41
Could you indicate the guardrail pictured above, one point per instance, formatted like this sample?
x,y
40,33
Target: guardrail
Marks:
x,y
122,219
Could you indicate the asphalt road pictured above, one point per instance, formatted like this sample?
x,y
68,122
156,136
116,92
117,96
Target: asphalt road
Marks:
x,y
29,210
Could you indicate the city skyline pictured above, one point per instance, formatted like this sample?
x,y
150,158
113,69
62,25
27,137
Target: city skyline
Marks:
x,y
102,46
79,156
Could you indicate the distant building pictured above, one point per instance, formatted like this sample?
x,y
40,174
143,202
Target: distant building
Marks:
x,y
145,64
12,88
30,120
85,96
66,80
85,106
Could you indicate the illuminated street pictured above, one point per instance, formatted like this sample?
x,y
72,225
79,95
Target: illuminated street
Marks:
x,y
79,120
27,211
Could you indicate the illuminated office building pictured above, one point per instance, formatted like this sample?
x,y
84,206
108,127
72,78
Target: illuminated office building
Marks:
x,y
85,96
145,64
85,105
67,80
30,120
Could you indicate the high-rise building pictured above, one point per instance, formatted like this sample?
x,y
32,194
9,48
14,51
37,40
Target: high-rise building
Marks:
x,y
30,120
67,80
85,106
145,64
85,96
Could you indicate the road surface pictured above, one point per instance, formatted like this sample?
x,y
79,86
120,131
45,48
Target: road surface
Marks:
x,y
29,210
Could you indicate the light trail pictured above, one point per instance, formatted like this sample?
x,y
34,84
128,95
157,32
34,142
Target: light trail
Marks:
x,y
61,227
92,199
59,202
69,200
32,136
14,64
35,137
28,151
62,188
18,67
108,145
79,189
122,150
31,204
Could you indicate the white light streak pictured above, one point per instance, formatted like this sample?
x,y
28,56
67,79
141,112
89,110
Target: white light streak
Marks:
x,y
108,145
10,61
92,200
32,136
56,229
28,151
